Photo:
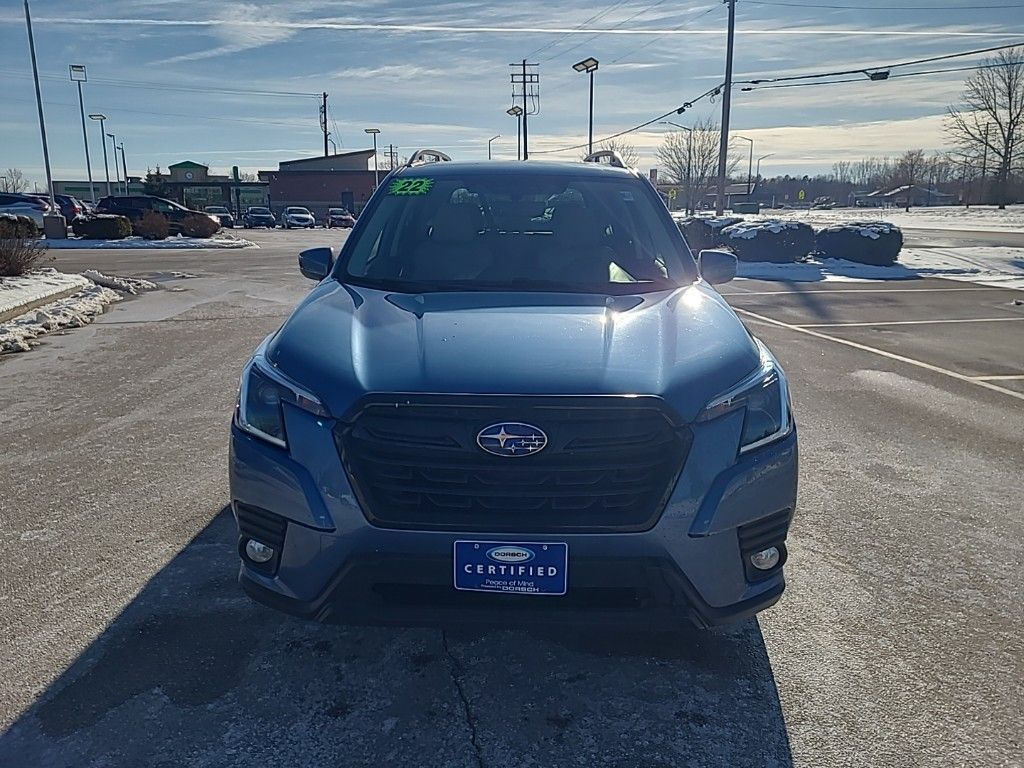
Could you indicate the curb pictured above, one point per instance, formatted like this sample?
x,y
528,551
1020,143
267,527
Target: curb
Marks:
x,y
21,309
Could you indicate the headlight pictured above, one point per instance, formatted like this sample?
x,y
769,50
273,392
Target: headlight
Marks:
x,y
764,396
261,392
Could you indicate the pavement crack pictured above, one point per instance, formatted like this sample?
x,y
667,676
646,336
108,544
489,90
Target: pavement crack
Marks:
x,y
455,670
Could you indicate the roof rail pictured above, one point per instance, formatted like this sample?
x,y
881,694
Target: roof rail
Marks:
x,y
608,157
423,156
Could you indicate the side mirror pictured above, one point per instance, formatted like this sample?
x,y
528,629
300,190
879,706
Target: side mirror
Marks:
x,y
316,263
716,267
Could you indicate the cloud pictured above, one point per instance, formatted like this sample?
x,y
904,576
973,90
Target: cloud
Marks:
x,y
234,28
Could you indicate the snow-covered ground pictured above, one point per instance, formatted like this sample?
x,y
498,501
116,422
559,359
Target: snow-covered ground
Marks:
x,y
42,283
220,240
18,334
92,291
974,219
999,267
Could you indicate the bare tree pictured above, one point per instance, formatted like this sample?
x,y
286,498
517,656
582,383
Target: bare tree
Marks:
x,y
990,123
13,180
696,151
910,167
843,171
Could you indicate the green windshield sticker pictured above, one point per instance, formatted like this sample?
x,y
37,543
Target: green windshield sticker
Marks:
x,y
413,186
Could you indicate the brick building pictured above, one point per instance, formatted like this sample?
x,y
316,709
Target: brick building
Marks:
x,y
318,183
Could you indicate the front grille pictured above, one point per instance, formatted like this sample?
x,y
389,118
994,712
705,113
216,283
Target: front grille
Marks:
x,y
609,465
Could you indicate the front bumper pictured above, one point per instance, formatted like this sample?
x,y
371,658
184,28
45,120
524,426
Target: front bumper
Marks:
x,y
335,565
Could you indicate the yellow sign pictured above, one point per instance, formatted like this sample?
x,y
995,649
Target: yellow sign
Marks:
x,y
802,195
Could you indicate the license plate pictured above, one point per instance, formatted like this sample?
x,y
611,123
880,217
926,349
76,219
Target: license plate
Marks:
x,y
502,566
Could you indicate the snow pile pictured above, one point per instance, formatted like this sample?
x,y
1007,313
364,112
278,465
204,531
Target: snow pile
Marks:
x,y
35,286
220,240
720,222
748,230
17,335
975,218
870,229
132,285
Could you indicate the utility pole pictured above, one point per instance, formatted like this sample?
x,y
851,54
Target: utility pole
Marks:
x,y
53,222
984,164
530,83
723,149
323,122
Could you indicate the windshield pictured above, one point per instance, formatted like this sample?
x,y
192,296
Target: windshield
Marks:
x,y
260,211
216,209
296,210
556,232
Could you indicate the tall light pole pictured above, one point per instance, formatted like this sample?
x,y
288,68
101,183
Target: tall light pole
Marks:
x,y
750,163
517,112
757,175
589,65
689,159
79,76
376,173
124,165
723,146
103,140
53,222
489,142
117,168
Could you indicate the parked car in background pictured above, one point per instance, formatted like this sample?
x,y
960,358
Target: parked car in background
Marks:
x,y
258,216
134,207
339,217
24,205
223,215
297,216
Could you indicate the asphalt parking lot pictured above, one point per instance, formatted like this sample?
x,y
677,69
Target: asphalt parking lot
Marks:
x,y
899,642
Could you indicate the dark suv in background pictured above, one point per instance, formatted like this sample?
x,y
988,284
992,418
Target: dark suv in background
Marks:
x,y
258,216
135,207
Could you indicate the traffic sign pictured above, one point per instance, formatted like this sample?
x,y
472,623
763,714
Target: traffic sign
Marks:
x,y
802,195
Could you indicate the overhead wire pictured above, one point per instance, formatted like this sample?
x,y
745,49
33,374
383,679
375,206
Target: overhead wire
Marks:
x,y
897,76
883,7
677,111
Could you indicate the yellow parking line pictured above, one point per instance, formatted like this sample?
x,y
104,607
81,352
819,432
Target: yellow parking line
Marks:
x,y
883,353
912,322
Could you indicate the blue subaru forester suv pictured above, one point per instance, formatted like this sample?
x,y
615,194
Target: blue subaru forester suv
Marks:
x,y
514,396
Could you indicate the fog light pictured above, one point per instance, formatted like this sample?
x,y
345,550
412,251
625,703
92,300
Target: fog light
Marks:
x,y
259,552
766,559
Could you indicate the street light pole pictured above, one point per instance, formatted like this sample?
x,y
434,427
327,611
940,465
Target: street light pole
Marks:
x,y
757,175
517,112
124,165
489,142
79,76
117,168
103,140
750,163
589,66
57,226
376,172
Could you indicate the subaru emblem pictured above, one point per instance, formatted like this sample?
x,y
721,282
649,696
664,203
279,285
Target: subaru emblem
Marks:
x,y
512,439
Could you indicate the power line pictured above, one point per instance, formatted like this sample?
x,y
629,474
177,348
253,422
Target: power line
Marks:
x,y
884,7
677,111
595,17
897,76
864,69
652,41
148,85
586,40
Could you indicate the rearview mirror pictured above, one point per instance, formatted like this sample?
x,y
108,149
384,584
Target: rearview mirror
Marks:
x,y
316,263
717,267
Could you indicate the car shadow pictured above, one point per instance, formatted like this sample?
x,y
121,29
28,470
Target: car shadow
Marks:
x,y
191,673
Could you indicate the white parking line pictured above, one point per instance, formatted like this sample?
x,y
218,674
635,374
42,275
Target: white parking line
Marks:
x,y
1013,377
860,290
912,322
883,353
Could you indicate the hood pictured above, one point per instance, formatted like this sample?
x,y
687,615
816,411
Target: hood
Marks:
x,y
686,345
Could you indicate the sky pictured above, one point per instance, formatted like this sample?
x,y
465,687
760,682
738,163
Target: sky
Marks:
x,y
233,83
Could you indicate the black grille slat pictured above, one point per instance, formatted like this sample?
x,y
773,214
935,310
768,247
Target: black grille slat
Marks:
x,y
609,464
261,525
